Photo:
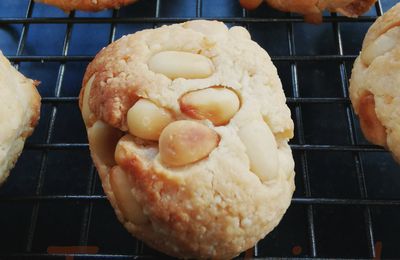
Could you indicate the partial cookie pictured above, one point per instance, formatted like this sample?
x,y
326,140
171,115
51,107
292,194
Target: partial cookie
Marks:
x,y
87,5
375,82
189,130
312,9
19,113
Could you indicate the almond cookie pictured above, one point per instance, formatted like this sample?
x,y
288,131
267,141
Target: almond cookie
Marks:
x,y
189,130
19,113
312,9
87,5
375,82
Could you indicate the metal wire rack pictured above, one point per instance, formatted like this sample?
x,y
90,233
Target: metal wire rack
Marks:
x,y
347,199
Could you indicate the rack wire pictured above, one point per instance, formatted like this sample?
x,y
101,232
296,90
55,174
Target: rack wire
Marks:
x,y
343,206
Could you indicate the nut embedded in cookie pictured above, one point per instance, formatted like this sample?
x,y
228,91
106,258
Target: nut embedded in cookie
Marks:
x,y
103,139
218,104
175,118
121,185
146,120
261,148
184,142
178,64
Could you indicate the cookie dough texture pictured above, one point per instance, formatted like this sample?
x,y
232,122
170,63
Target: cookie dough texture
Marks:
x,y
312,9
375,82
87,5
19,113
214,206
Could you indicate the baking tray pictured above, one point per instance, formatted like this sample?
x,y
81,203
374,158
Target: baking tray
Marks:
x,y
347,200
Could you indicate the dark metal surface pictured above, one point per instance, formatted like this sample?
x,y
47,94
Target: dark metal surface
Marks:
x,y
348,191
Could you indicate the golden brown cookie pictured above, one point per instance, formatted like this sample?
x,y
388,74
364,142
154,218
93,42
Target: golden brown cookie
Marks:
x,y
375,82
189,130
19,113
87,5
312,9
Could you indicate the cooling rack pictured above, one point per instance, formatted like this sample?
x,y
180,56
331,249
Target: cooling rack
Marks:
x,y
347,198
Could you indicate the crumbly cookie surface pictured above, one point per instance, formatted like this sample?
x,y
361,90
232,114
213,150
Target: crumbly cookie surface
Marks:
x,y
312,9
375,81
218,178
87,5
19,113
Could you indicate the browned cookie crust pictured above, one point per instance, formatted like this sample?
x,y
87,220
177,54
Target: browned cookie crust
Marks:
x,y
312,9
375,82
87,5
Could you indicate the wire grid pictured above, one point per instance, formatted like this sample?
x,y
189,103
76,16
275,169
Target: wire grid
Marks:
x,y
296,102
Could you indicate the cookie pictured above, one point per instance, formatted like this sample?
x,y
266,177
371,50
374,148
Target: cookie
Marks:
x,y
312,9
87,5
19,113
189,130
375,82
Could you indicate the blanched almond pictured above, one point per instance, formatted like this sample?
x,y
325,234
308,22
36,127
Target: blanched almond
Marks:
x,y
179,64
103,139
146,120
381,45
130,149
218,105
184,142
286,134
85,103
239,32
121,184
261,149
207,28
